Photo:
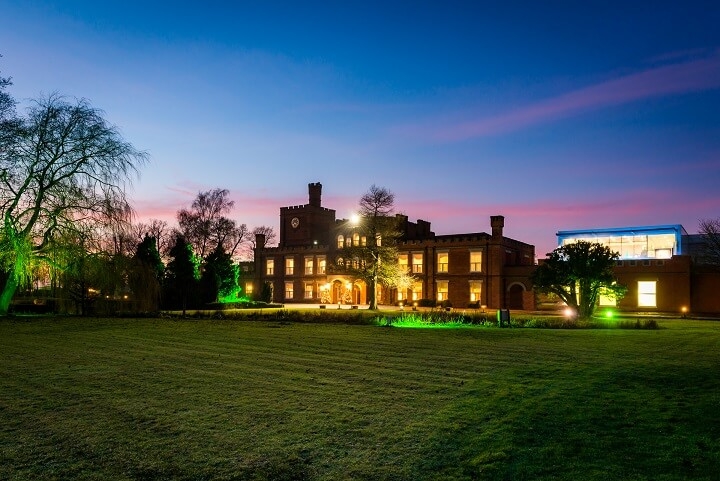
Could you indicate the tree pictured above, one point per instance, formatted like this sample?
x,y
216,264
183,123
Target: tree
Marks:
x,y
220,277
578,273
146,275
710,231
376,261
205,226
92,277
8,119
64,169
157,229
182,275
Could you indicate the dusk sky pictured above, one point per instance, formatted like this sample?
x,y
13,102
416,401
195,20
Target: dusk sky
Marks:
x,y
573,115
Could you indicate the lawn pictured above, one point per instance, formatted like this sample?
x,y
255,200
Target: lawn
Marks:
x,y
153,399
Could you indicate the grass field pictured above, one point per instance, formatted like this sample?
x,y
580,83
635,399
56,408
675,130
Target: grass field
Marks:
x,y
152,399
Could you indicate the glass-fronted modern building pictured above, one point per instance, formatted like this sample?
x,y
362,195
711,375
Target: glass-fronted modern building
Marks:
x,y
657,266
640,242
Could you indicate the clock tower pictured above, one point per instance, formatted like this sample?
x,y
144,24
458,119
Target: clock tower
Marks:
x,y
306,225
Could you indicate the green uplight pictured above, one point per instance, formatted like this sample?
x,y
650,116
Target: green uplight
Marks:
x,y
423,322
609,314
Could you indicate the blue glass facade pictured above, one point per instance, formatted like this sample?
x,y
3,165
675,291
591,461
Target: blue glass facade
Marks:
x,y
639,242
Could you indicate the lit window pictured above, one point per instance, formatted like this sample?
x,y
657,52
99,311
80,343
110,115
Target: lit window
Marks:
x,y
647,294
416,290
341,242
378,240
340,261
270,267
289,266
606,300
321,265
475,291
417,263
248,288
356,239
363,241
309,290
308,266
442,291
403,262
475,261
442,262
289,290
401,294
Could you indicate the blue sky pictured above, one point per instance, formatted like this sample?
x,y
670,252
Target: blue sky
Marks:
x,y
559,116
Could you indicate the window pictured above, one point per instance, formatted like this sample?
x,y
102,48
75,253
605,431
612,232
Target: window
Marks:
x,y
270,267
363,241
289,266
401,294
475,291
308,266
605,300
248,288
475,261
289,290
647,293
309,294
416,291
378,240
321,265
356,239
341,242
403,262
442,262
442,291
417,263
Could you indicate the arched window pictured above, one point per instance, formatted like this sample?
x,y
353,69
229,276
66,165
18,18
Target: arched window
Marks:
x,y
341,241
356,239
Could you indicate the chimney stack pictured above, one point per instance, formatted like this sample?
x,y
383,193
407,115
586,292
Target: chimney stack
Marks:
x,y
497,222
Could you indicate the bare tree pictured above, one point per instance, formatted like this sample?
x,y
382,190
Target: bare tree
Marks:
x,y
376,261
65,169
205,226
266,231
8,120
710,231
159,230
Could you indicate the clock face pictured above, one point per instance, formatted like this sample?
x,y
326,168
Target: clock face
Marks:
x,y
295,222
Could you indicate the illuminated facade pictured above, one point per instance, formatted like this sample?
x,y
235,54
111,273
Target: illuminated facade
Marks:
x,y
657,266
643,242
464,270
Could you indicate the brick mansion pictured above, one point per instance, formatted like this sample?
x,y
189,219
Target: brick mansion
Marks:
x,y
473,269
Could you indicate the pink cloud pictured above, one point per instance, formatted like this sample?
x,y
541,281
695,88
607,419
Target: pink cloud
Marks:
x,y
679,78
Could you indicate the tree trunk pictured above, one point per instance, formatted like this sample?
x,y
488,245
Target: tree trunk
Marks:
x,y
7,294
373,292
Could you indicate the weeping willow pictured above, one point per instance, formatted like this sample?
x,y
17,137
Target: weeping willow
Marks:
x,y
17,258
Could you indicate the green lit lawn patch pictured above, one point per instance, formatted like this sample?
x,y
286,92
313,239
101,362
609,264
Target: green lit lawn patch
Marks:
x,y
417,320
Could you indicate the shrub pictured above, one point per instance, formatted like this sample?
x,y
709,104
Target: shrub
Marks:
x,y
426,303
639,324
